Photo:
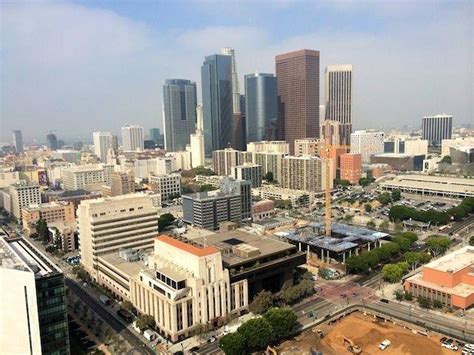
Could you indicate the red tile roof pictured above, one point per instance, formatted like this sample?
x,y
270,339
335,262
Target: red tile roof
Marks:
x,y
192,249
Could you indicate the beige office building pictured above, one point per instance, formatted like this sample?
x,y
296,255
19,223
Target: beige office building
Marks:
x,y
269,147
122,183
89,177
50,212
23,194
109,224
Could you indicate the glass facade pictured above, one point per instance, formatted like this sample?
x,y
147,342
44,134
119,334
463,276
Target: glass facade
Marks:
x,y
261,107
216,79
52,314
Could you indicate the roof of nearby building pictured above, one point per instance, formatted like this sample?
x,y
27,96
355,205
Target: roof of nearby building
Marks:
x,y
129,268
455,261
188,247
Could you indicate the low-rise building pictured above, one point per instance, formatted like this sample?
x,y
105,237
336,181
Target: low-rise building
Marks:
x,y
263,209
449,279
431,185
399,162
49,212
351,167
88,177
278,193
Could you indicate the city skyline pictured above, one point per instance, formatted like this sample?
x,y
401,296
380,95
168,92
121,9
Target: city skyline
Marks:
x,y
113,98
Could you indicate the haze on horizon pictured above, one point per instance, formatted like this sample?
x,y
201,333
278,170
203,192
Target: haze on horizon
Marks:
x,y
74,67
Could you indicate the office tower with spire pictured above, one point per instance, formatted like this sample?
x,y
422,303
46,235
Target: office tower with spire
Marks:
x,y
102,144
261,107
298,95
238,134
18,141
197,140
132,138
338,98
179,113
217,103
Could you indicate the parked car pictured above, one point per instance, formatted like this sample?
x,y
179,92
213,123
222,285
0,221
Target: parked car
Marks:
x,y
449,346
385,344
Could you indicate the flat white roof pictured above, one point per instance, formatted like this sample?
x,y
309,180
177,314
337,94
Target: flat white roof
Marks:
x,y
455,261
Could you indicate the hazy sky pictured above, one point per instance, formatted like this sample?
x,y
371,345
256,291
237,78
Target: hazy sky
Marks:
x,y
77,67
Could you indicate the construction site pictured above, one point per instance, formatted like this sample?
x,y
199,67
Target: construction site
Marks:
x,y
360,333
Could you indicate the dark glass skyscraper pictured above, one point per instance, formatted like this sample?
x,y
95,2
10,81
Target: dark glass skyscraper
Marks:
x,y
216,77
261,106
18,141
52,141
179,113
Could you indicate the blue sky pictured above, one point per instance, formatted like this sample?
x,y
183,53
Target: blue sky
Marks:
x,y
80,66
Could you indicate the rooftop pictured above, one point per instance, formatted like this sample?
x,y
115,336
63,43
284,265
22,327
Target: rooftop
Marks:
x,y
455,261
461,289
130,268
224,242
188,246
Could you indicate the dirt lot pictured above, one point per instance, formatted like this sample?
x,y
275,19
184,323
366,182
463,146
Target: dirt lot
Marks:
x,y
363,331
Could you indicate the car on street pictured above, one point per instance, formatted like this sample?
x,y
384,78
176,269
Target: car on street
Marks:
x,y
449,346
212,339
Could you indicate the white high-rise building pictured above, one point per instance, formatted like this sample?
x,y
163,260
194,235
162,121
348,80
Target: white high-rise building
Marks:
x,y
338,96
109,224
132,138
89,177
367,143
102,144
436,128
23,194
197,141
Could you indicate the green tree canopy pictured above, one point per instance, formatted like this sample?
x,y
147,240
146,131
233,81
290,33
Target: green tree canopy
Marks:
x,y
396,195
261,302
269,176
371,224
282,320
414,259
342,182
207,187
42,230
233,344
438,244
368,207
446,159
471,241
384,198
145,321
165,220
394,272
258,334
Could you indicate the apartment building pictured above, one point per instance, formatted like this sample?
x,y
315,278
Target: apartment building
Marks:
x,y
49,212
34,316
88,177
249,172
308,146
367,143
109,224
23,194
269,147
166,185
303,173
224,160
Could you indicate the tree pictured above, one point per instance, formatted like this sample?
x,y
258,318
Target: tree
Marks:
x,y
207,187
348,217
42,230
200,170
394,272
342,182
438,244
384,226
398,295
355,264
81,274
403,243
282,320
396,195
458,213
128,306
269,177
437,304
424,302
364,182
233,344
410,236
414,259
145,321
384,198
283,204
165,220
261,302
368,207
446,159
408,296
371,224
257,332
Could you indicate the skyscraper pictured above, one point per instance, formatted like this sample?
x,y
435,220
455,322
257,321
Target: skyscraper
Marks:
x,y
132,138
261,106
52,141
436,128
18,141
155,135
197,141
338,96
179,113
216,75
102,144
298,95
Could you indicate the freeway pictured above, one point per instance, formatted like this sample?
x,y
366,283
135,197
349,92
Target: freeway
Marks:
x,y
108,317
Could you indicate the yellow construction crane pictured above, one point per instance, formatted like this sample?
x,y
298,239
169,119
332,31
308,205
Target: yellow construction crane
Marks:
x,y
327,165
